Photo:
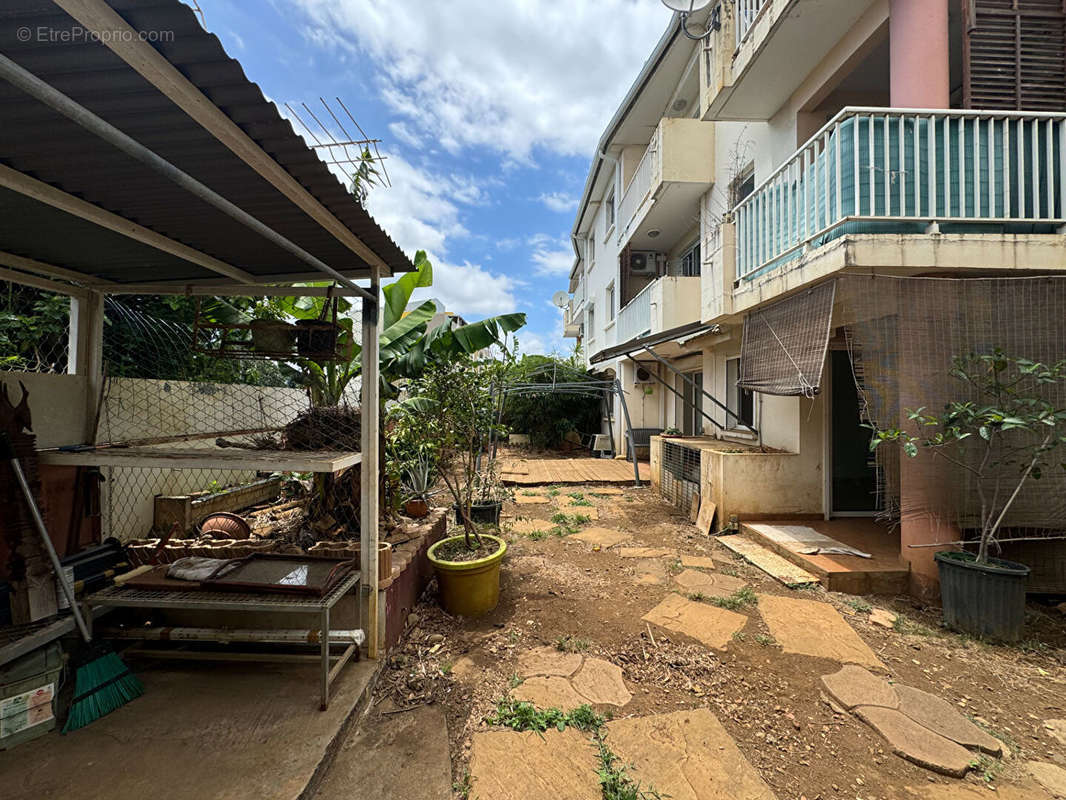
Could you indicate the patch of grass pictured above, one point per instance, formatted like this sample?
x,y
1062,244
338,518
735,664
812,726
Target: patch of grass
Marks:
x,y
764,640
615,780
553,491
515,681
987,767
730,571
858,604
462,788
568,523
571,644
519,715
903,625
698,597
580,519
600,495
529,493
739,636
536,536
736,601
446,668
1033,646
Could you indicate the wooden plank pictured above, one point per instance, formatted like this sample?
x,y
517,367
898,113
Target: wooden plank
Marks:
x,y
57,198
127,44
768,561
205,458
41,283
42,268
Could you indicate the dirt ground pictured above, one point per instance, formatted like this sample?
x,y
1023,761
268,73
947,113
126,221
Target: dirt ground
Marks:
x,y
769,702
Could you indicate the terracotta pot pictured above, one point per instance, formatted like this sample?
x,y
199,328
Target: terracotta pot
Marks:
x,y
416,508
224,525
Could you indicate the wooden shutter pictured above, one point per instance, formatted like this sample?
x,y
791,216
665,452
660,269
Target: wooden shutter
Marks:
x,y
1014,54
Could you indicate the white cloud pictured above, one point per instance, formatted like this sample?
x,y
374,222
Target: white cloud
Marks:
x,y
551,256
512,76
470,290
560,202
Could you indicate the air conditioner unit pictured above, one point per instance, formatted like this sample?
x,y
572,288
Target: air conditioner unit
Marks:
x,y
644,262
644,375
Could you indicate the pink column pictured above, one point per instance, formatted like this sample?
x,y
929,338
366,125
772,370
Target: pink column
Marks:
x,y
919,62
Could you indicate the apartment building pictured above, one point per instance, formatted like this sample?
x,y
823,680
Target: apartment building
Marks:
x,y
793,223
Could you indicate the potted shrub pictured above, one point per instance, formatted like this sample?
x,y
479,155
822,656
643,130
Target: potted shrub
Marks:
x,y
460,415
1002,435
418,481
671,433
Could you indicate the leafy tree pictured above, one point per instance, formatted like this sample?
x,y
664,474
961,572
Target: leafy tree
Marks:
x,y
1003,438
33,329
546,416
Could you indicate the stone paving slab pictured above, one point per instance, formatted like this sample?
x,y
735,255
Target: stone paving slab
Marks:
x,y
645,552
918,745
531,499
508,765
940,716
813,628
548,661
712,585
854,686
1056,728
548,692
573,505
601,683
697,562
686,755
650,572
377,758
712,626
604,537
1051,776
962,791
528,526
607,490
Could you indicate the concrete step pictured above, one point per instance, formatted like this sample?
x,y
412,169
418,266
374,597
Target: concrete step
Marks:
x,y
768,561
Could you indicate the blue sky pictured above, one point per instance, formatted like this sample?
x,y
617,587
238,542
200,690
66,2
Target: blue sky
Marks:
x,y
489,112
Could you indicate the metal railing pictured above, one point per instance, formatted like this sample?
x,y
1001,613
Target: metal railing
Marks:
x,y
876,170
639,186
747,12
635,317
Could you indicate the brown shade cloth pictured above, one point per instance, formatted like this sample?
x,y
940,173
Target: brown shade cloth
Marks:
x,y
784,345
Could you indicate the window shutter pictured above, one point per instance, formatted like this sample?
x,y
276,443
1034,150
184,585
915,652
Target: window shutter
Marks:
x,y
1014,55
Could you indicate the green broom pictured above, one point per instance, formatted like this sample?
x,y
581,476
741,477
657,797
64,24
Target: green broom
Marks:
x,y
102,682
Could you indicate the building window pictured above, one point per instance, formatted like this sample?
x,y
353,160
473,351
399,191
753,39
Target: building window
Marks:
x,y
742,185
590,323
590,251
609,210
610,302
740,402
690,262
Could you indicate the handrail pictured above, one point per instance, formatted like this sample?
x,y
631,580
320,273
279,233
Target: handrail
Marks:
x,y
634,318
639,185
906,166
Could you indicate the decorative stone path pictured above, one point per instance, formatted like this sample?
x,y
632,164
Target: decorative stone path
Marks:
x,y
528,526
553,679
686,755
650,572
708,624
571,506
1057,728
920,727
813,628
531,499
508,765
645,552
604,537
710,585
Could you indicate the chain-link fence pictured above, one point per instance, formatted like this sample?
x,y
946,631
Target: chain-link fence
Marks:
x,y
34,329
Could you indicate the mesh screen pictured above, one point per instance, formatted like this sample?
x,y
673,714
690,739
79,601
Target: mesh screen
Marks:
x,y
680,474
784,345
903,334
34,329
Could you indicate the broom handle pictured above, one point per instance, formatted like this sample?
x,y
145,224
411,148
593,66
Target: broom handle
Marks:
x,y
8,450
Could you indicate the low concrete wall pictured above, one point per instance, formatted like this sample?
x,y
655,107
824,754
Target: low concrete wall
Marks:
x,y
751,484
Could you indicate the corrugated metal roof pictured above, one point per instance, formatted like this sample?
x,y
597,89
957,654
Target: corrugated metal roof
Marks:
x,y
47,146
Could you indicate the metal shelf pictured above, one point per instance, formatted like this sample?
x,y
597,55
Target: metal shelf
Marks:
x,y
205,458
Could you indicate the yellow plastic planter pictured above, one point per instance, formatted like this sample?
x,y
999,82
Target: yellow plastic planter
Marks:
x,y
469,588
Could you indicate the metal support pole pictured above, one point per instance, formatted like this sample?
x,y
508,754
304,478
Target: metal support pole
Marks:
x,y
610,422
629,432
74,111
667,386
700,389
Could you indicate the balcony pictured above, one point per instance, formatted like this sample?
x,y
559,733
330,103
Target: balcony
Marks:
x,y
884,171
767,48
664,190
571,320
665,303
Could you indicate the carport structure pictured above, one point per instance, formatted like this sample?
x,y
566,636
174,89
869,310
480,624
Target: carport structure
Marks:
x,y
137,158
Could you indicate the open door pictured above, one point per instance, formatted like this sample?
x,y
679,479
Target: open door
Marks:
x,y
853,471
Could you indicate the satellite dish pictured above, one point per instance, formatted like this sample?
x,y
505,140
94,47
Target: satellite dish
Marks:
x,y
686,6
560,299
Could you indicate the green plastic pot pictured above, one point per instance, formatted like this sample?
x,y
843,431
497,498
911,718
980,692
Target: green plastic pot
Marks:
x,y
469,588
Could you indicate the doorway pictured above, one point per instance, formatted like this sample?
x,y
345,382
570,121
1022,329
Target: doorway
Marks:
x,y
853,469
687,407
